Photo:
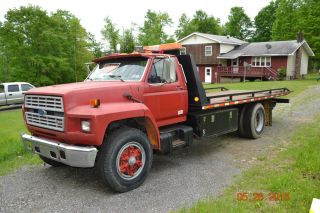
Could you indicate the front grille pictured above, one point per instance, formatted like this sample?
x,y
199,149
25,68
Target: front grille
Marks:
x,y
45,111
45,121
51,103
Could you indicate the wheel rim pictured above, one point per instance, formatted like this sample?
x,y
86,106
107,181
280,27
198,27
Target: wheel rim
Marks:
x,y
259,121
130,160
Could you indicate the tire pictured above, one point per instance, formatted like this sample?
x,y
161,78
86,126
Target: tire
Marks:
x,y
241,132
50,161
125,159
254,121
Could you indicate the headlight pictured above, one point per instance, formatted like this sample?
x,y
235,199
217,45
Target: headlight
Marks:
x,y
85,126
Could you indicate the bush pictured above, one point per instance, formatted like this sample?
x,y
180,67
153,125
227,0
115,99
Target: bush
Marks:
x,y
282,73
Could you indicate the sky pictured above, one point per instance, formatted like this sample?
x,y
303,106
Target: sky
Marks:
x,y
123,12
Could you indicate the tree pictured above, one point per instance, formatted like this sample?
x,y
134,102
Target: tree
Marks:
x,y
293,16
127,41
201,22
184,28
111,34
94,46
152,32
43,49
205,23
239,24
264,21
309,19
75,48
288,19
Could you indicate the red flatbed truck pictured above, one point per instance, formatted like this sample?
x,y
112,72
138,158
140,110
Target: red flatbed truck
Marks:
x,y
131,106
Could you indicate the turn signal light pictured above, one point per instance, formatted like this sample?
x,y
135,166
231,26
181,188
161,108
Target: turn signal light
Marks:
x,y
95,103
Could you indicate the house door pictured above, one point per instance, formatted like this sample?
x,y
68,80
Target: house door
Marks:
x,y
208,74
235,65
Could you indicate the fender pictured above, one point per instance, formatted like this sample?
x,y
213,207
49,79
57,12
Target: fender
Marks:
x,y
107,113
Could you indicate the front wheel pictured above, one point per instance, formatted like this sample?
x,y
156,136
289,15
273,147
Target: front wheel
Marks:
x,y
125,159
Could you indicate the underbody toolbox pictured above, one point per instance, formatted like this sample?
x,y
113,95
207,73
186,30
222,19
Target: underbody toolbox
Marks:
x,y
214,123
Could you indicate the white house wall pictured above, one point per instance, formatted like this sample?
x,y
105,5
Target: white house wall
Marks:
x,y
195,39
224,48
291,65
304,62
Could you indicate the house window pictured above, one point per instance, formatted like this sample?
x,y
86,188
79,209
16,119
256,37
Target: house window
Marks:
x,y
208,50
208,71
183,51
268,61
234,62
261,61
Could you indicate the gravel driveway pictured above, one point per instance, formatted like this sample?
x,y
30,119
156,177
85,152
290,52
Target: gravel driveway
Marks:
x,y
176,180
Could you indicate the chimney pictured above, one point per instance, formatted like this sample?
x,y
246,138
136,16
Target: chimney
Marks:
x,y
300,37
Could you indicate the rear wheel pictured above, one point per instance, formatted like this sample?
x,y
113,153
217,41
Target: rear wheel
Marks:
x,y
241,132
50,161
254,121
125,159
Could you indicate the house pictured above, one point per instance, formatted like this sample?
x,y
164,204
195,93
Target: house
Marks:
x,y
219,57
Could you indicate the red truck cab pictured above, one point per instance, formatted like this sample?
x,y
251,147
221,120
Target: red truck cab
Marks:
x,y
130,105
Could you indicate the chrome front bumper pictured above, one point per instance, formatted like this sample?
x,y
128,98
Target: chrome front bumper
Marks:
x,y
76,156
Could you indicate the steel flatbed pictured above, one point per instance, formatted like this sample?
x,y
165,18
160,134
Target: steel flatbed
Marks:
x,y
225,97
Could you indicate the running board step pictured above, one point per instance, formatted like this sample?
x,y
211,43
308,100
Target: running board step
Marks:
x,y
173,137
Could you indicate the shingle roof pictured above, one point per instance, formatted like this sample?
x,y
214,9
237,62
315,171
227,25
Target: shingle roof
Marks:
x,y
217,38
223,39
266,49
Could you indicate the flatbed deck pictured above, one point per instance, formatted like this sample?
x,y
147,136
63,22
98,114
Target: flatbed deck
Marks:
x,y
227,97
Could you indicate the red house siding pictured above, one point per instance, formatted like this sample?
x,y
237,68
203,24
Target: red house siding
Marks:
x,y
201,73
243,59
279,61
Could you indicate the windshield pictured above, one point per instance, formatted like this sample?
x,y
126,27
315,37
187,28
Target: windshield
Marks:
x,y
123,69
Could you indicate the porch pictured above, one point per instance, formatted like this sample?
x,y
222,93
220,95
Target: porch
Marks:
x,y
246,72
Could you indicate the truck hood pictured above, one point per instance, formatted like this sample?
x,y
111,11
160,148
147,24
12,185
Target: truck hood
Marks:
x,y
76,94
63,89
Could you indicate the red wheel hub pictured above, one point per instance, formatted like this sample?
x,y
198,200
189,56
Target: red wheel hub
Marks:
x,y
130,161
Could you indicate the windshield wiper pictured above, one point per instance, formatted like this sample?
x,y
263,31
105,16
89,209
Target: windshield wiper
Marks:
x,y
116,76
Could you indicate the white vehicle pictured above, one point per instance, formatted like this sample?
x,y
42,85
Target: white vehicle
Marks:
x,y
13,92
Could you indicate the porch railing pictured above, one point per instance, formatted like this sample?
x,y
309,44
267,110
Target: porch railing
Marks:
x,y
239,71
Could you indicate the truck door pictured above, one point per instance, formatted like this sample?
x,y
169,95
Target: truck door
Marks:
x,y
14,94
165,93
3,100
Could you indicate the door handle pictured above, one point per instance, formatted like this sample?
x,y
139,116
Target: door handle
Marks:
x,y
179,88
10,94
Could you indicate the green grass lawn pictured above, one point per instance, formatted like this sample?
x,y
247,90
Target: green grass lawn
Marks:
x,y
286,182
296,86
12,153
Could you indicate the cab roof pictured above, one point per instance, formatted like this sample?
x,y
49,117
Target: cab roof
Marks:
x,y
129,55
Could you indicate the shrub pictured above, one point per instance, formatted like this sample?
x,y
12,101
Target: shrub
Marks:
x,y
282,73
